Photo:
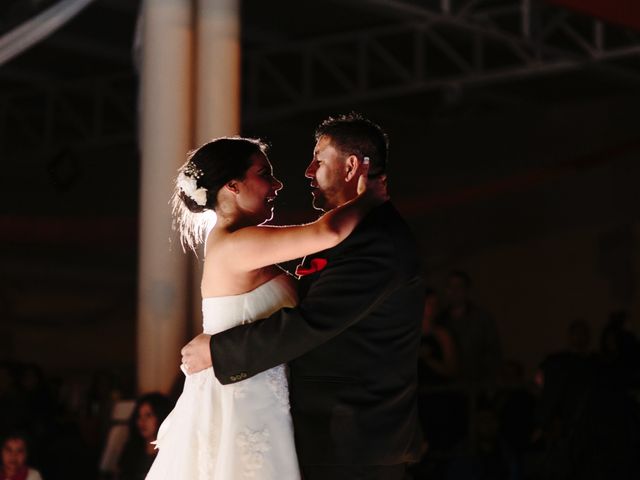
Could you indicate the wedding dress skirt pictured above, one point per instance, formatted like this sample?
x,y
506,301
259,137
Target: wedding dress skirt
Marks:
x,y
237,431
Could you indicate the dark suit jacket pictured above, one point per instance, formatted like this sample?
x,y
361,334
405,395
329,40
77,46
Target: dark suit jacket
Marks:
x,y
351,344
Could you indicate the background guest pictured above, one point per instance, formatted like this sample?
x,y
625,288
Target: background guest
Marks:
x,y
15,451
138,454
438,358
474,332
579,338
620,350
442,409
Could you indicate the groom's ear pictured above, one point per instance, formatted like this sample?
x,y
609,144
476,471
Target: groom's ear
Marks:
x,y
351,167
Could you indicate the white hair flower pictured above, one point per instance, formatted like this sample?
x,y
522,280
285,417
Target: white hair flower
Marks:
x,y
189,186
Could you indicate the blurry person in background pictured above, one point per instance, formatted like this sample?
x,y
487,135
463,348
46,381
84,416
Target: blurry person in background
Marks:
x,y
101,396
579,338
474,332
15,451
620,350
589,423
437,362
138,453
516,409
442,410
36,399
13,413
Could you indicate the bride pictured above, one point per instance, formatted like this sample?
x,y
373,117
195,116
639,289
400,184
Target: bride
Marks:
x,y
242,430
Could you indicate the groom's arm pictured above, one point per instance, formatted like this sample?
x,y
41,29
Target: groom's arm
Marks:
x,y
347,290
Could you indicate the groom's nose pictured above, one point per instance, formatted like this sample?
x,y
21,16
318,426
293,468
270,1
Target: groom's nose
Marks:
x,y
310,172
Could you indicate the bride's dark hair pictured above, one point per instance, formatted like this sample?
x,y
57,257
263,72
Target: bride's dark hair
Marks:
x,y
206,171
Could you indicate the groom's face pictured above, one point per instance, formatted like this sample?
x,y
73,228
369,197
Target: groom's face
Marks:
x,y
327,174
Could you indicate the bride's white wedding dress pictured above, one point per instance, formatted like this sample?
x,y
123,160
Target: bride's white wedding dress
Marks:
x,y
237,431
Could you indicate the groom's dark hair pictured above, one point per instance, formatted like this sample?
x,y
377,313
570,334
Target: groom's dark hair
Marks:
x,y
353,134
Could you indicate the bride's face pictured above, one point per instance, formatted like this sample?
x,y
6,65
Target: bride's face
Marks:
x,y
258,190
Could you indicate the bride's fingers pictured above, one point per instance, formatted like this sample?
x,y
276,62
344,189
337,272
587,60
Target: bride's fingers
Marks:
x,y
383,180
362,183
364,174
377,186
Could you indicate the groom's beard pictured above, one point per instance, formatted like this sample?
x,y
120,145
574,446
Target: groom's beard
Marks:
x,y
319,201
327,198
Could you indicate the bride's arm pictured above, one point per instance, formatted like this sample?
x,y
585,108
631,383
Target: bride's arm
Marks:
x,y
255,247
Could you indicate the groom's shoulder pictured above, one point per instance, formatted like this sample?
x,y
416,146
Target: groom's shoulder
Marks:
x,y
386,221
384,226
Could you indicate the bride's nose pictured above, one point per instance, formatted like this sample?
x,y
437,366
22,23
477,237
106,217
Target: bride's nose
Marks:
x,y
277,184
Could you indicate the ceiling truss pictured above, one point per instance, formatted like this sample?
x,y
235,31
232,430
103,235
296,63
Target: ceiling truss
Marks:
x,y
92,113
449,44
442,44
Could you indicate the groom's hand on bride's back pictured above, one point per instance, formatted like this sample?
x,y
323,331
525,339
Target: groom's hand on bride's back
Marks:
x,y
196,355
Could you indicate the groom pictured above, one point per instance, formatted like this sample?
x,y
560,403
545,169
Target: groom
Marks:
x,y
352,341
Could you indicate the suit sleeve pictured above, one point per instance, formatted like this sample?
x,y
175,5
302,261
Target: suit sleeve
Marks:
x,y
347,290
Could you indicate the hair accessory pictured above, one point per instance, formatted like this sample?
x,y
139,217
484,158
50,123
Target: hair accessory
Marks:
x,y
191,170
188,182
365,160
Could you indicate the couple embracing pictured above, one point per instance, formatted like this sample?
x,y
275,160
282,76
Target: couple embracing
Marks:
x,y
311,377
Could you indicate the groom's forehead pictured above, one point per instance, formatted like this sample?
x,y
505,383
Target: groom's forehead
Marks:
x,y
323,143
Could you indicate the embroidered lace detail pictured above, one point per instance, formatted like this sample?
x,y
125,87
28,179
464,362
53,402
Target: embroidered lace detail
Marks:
x,y
201,380
277,381
253,445
206,457
239,390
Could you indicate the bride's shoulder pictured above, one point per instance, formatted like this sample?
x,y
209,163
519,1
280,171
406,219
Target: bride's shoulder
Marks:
x,y
216,243
222,239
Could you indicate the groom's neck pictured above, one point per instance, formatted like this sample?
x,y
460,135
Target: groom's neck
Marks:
x,y
344,196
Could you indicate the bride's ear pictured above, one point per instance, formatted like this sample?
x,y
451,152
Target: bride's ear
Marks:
x,y
232,186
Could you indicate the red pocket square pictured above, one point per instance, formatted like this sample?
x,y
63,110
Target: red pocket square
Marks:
x,y
315,265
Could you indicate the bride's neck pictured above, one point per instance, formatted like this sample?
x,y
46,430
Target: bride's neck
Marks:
x,y
232,223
